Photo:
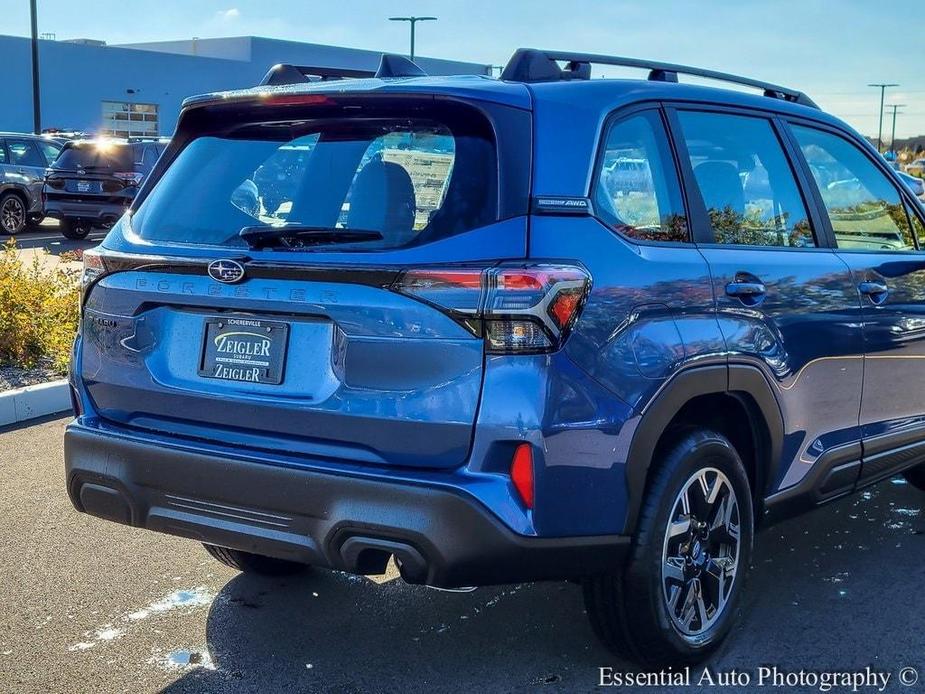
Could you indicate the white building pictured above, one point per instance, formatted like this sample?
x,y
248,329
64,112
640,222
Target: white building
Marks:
x,y
137,89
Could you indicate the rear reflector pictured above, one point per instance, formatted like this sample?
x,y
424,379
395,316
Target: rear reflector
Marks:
x,y
522,473
520,309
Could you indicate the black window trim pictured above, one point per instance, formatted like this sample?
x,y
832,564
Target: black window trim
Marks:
x,y
612,119
702,229
862,146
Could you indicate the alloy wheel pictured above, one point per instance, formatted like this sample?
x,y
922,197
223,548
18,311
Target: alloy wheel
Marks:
x,y
700,555
12,214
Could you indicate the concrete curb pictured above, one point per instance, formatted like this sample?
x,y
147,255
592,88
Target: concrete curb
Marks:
x,y
31,402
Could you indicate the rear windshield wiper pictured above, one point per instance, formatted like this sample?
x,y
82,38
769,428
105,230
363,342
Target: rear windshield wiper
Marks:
x,y
301,235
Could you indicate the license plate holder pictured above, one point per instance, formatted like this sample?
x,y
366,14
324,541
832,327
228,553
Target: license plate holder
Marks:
x,y
244,350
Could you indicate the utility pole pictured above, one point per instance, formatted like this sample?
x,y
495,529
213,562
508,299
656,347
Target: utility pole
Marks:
x,y
412,21
36,98
882,86
893,134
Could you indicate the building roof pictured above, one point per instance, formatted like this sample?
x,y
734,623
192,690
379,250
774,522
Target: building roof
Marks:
x,y
272,51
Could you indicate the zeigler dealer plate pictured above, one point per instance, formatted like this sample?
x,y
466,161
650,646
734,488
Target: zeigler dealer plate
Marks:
x,y
244,349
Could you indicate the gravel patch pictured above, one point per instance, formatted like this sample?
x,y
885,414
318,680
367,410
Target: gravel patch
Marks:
x,y
12,377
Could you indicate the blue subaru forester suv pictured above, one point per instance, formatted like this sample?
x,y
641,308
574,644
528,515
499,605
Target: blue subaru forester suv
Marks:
x,y
541,327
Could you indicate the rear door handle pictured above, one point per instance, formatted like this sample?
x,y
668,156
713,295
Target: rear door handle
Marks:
x,y
875,291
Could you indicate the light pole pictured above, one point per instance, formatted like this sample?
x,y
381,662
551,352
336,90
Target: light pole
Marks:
x,y
882,86
893,134
36,99
412,21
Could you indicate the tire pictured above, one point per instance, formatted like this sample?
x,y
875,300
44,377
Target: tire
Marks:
x,y
75,229
639,612
254,563
12,213
916,477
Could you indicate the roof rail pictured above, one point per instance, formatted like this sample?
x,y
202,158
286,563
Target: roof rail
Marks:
x,y
390,65
533,65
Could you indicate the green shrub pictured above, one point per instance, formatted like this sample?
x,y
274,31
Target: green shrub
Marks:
x,y
39,311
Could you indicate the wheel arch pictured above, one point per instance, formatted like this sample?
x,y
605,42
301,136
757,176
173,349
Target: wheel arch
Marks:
x,y
16,189
735,399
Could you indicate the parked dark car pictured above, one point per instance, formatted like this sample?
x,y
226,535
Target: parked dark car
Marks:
x,y
92,182
461,342
23,160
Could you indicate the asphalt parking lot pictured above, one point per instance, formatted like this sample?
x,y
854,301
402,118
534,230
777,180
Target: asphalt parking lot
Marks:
x,y
91,606
46,237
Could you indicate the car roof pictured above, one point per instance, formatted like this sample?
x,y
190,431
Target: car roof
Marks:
x,y
31,136
608,93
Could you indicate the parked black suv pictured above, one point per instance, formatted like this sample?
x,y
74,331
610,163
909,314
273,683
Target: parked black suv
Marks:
x,y
23,160
93,182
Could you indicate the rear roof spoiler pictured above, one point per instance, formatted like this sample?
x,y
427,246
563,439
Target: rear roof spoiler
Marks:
x,y
532,65
390,65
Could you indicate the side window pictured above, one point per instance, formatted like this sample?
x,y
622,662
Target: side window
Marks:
x,y
865,208
745,181
25,153
3,159
49,150
637,190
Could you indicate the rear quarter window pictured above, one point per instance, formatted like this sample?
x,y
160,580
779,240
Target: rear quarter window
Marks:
x,y
637,191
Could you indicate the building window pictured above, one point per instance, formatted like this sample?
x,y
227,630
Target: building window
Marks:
x,y
122,119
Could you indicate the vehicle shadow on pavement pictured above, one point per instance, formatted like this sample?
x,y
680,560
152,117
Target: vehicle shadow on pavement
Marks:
x,y
837,589
327,631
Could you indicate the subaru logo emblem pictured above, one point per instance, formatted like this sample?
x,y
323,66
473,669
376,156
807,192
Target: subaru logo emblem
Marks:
x,y
227,271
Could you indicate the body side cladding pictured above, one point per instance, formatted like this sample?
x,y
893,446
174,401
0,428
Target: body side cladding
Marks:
x,y
745,383
846,469
832,476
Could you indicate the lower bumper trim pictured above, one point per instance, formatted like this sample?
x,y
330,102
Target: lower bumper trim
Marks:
x,y
439,537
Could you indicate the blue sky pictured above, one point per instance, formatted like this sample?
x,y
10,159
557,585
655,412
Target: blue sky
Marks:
x,y
831,49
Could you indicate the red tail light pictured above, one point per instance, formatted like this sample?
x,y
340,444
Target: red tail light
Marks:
x,y
564,306
519,309
522,473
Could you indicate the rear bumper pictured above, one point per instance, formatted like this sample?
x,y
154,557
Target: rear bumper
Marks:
x,y
98,213
439,537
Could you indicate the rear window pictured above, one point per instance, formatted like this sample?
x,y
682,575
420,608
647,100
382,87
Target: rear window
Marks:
x,y
412,180
90,156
